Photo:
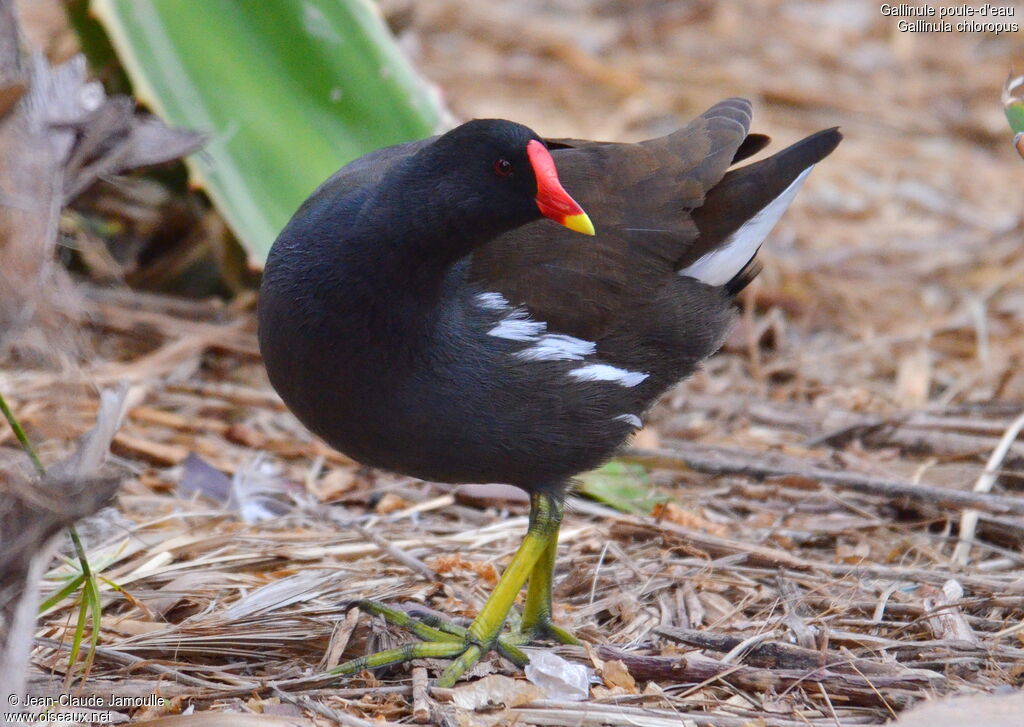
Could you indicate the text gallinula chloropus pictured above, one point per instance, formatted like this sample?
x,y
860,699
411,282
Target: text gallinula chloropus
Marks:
x,y
421,315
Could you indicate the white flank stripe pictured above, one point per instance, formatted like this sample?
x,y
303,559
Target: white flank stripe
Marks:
x,y
604,372
492,301
518,329
557,347
631,419
720,265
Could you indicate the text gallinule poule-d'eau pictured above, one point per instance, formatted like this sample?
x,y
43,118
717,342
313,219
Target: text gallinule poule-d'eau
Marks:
x,y
421,315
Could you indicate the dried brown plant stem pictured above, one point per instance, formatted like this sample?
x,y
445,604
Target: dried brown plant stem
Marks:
x,y
726,461
984,484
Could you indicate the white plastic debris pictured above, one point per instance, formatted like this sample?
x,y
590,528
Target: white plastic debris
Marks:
x,y
495,690
560,679
253,491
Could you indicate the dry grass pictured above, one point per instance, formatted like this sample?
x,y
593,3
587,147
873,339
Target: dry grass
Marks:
x,y
884,339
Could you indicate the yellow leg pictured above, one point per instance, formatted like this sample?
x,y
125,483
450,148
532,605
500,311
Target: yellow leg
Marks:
x,y
537,610
466,646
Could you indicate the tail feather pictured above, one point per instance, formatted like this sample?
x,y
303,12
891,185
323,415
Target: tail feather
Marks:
x,y
751,145
740,211
744,277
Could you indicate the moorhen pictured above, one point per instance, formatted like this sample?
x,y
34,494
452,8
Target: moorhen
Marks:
x,y
423,313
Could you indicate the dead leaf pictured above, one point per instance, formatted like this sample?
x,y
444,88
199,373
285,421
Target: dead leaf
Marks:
x,y
448,563
688,519
914,379
10,94
334,484
853,554
179,589
947,621
389,503
199,476
616,674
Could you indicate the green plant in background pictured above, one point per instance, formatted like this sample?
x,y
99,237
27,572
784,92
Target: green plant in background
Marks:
x,y
289,90
1013,105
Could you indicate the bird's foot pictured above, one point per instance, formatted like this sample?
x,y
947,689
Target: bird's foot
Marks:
x,y
442,639
545,628
532,562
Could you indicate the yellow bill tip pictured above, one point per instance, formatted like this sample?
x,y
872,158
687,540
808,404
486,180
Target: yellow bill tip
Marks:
x,y
579,223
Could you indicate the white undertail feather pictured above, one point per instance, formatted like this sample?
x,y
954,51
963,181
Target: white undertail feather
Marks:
x,y
720,265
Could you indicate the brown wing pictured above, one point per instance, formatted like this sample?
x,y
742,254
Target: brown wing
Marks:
x,y
640,198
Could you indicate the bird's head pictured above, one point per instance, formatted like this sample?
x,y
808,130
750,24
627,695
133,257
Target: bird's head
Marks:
x,y
501,171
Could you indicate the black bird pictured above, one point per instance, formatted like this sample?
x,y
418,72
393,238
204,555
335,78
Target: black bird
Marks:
x,y
423,314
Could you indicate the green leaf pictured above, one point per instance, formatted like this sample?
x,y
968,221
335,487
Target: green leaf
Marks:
x,y
290,90
622,485
1015,115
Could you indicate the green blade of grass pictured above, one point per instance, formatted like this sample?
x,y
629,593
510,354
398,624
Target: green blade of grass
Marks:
x,y
89,602
76,639
289,90
61,594
92,597
19,434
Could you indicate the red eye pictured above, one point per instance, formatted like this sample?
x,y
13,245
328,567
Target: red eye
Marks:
x,y
503,168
